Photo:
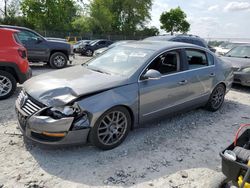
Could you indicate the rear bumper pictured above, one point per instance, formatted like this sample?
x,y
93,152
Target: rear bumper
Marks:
x,y
40,129
23,77
242,78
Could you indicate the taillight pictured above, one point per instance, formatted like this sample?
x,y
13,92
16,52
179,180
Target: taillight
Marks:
x,y
22,53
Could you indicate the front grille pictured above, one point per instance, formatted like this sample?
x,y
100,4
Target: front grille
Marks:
x,y
27,104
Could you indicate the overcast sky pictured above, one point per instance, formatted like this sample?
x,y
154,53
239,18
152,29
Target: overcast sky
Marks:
x,y
209,18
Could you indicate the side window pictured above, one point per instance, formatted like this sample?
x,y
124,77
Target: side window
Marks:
x,y
25,36
166,63
210,59
196,59
102,43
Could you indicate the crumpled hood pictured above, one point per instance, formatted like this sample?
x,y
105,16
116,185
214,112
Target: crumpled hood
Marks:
x,y
60,87
237,62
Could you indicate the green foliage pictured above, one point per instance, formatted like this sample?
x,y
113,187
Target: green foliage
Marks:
x,y
82,24
48,14
148,31
119,16
174,21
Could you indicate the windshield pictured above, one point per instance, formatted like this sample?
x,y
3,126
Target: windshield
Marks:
x,y
93,42
120,60
240,51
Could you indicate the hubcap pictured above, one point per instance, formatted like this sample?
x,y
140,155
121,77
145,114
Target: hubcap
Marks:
x,y
89,52
112,128
218,97
59,61
5,85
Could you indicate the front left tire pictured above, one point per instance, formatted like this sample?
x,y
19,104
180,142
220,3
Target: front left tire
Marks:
x,y
111,128
58,60
7,85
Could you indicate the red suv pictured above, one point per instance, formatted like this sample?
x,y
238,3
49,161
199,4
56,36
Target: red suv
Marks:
x,y
14,66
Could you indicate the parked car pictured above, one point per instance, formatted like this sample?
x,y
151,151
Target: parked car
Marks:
x,y
14,66
55,53
227,46
118,43
80,44
191,39
239,58
88,49
102,100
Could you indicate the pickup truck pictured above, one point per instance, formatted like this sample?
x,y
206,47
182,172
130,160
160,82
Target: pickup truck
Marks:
x,y
57,54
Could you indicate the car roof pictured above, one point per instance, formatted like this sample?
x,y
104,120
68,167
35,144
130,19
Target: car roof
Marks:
x,y
19,28
158,45
10,30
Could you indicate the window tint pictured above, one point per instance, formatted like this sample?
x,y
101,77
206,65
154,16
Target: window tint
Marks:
x,y
196,59
166,63
102,43
210,59
25,36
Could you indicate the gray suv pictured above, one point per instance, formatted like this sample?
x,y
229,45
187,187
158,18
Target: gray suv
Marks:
x,y
55,53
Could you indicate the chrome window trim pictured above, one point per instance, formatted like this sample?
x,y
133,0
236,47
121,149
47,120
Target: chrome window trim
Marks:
x,y
205,50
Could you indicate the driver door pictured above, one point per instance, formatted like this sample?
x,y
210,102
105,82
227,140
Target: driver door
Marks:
x,y
161,96
36,46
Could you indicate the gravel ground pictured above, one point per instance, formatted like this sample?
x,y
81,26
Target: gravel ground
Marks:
x,y
182,151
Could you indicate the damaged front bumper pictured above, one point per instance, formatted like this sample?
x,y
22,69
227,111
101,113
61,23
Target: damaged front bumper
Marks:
x,y
46,130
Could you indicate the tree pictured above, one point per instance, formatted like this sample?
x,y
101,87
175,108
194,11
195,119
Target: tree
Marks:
x,y
148,31
174,21
49,15
119,16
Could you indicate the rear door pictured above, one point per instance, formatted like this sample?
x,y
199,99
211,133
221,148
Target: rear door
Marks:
x,y
201,73
36,46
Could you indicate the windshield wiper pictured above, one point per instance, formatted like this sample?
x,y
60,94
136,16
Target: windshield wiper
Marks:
x,y
246,57
98,70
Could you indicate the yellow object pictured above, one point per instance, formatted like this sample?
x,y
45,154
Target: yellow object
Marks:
x,y
240,179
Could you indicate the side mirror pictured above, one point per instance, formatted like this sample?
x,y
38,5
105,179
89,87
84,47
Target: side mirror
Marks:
x,y
152,74
38,40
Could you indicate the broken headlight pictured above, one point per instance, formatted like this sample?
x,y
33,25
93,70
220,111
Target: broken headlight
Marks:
x,y
81,119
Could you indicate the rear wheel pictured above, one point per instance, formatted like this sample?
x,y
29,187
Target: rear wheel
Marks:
x,y
111,128
217,98
58,60
7,85
89,53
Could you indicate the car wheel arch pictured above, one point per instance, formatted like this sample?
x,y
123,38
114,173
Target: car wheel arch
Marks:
x,y
62,51
132,115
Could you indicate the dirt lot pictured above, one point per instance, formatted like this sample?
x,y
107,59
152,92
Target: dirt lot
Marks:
x,y
157,155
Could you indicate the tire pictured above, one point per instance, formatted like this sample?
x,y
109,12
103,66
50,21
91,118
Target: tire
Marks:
x,y
58,60
216,98
109,135
89,53
7,85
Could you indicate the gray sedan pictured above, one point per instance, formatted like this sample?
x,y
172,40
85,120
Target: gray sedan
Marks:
x,y
102,100
239,58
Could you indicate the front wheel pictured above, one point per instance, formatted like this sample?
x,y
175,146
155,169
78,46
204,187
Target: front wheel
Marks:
x,y
217,98
7,85
111,128
89,53
58,60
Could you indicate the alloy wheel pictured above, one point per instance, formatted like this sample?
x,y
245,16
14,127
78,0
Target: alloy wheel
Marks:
x,y
112,128
89,53
217,97
5,85
59,61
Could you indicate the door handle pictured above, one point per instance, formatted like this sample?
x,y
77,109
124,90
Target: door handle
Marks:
x,y
183,82
212,75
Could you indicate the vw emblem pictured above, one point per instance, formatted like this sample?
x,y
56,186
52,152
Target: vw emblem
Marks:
x,y
23,100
